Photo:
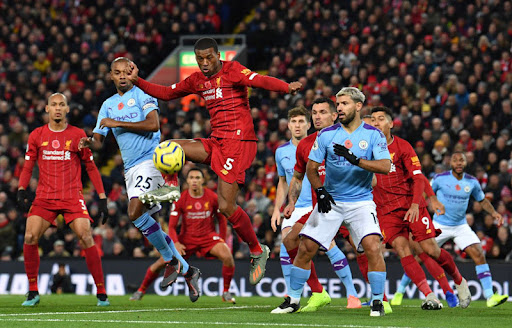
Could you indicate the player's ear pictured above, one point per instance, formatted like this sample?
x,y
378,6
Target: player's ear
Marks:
x,y
46,108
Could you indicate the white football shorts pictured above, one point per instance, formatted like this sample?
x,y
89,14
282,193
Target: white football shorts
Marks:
x,y
462,235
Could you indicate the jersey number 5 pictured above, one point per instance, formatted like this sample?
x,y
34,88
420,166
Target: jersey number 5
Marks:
x,y
228,166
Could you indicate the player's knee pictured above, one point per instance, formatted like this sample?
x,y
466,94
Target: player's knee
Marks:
x,y
226,208
86,238
30,238
290,240
372,248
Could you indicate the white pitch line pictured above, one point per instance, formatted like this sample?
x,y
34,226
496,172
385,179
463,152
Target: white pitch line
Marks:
x,y
196,323
135,311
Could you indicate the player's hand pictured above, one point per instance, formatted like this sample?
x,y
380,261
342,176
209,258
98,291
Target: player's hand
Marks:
x,y
288,210
324,200
343,151
413,213
497,216
437,206
103,209
84,143
294,87
132,72
22,200
108,123
275,220
180,247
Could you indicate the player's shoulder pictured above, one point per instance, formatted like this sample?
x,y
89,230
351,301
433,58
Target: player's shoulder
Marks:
x,y
210,193
371,129
442,175
39,130
232,65
329,130
284,146
470,177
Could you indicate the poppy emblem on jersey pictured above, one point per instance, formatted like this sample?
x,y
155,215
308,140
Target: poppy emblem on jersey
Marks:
x,y
363,144
348,144
467,189
197,206
457,187
207,85
131,102
120,106
55,144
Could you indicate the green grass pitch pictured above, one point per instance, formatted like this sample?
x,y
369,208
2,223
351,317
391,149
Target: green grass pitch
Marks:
x,y
157,311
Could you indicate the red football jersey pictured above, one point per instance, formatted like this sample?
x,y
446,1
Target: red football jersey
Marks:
x,y
59,161
395,190
197,216
302,157
225,94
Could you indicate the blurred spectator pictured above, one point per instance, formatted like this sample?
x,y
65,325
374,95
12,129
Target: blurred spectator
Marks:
x,y
61,281
59,250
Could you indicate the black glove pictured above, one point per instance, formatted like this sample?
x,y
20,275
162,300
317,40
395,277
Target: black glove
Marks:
x,y
21,198
102,208
324,200
341,150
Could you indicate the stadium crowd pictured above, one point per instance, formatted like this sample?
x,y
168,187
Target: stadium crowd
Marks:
x,y
444,67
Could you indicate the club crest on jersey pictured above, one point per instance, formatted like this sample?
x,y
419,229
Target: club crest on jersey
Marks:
x,y
218,82
55,144
363,144
197,206
120,106
348,144
207,85
68,144
131,102
467,189
206,205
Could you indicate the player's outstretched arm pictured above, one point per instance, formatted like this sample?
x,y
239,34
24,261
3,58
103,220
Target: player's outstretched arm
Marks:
x,y
293,193
282,191
487,206
96,141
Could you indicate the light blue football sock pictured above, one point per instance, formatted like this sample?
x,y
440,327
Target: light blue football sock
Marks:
x,y
298,278
176,254
153,232
403,283
342,269
286,265
377,281
484,274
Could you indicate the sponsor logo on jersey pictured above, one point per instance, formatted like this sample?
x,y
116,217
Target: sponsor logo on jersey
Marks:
x,y
393,168
55,144
246,71
131,102
56,155
415,161
363,144
225,172
467,189
45,143
189,207
68,144
126,118
120,106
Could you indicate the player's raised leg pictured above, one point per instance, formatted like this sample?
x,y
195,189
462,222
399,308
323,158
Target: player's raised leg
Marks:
x,y
35,228
82,229
152,273
484,275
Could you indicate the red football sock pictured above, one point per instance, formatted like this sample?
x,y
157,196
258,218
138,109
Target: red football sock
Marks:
x,y
436,271
362,261
31,259
314,284
243,227
445,260
227,276
413,269
148,279
293,254
171,179
93,260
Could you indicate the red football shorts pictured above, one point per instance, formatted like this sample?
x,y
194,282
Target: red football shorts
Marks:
x,y
49,209
344,232
200,246
393,225
304,218
229,158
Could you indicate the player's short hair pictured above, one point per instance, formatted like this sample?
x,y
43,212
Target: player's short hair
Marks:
x,y
460,153
197,170
299,111
321,100
354,93
206,43
386,110
366,116
120,59
58,94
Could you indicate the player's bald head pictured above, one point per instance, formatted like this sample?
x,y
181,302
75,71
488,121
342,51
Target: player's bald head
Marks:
x,y
57,94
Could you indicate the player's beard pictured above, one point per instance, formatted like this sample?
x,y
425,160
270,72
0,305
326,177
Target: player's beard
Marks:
x,y
57,120
348,118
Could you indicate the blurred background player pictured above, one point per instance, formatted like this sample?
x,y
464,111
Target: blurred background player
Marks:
x,y
454,188
402,209
55,148
198,209
324,114
231,148
132,116
348,181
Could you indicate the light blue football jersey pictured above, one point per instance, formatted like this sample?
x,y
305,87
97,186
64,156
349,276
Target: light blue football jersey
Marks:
x,y
133,106
344,181
285,160
455,194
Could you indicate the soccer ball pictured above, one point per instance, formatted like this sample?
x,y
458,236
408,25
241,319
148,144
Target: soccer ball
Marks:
x,y
169,157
